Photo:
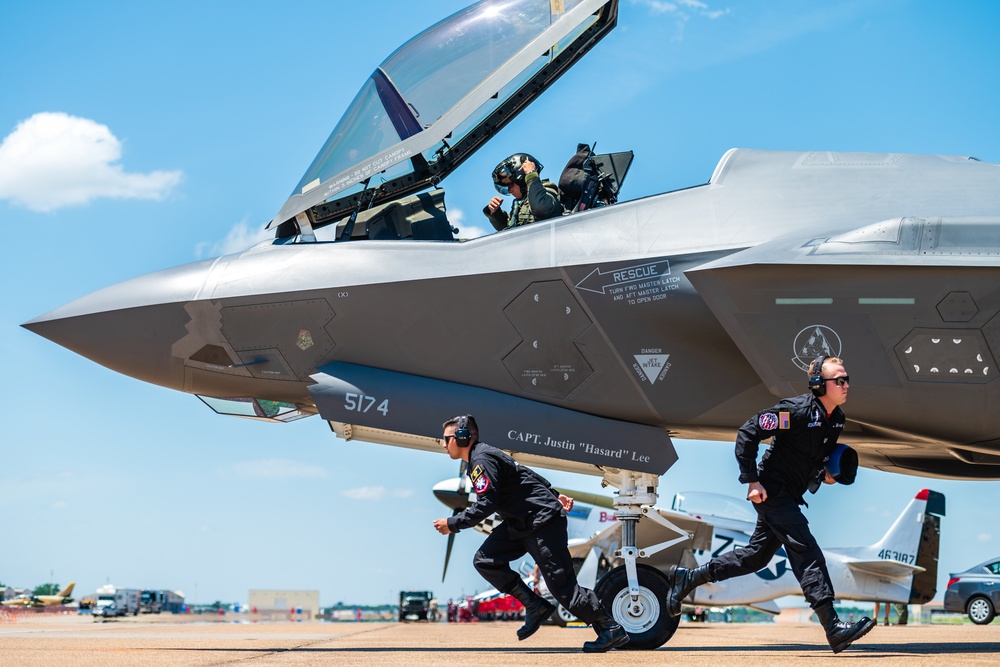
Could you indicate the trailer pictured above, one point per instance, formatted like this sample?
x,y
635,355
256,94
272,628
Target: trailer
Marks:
x,y
113,601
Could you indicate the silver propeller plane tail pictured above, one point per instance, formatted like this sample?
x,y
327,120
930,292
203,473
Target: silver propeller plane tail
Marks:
x,y
593,338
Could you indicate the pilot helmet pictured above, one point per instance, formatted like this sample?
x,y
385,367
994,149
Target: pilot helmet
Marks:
x,y
509,172
842,464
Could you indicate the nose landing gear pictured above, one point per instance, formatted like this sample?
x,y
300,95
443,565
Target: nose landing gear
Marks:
x,y
635,594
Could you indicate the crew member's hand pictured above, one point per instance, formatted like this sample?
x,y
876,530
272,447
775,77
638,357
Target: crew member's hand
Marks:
x,y
756,493
566,502
528,166
829,478
494,204
441,526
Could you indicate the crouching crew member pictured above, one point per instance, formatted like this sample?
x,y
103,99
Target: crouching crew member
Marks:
x,y
803,453
534,522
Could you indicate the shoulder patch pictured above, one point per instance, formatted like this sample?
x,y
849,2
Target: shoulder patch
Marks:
x,y
481,483
476,472
784,420
768,421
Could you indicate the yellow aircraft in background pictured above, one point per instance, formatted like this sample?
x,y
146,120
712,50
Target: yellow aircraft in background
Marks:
x,y
63,597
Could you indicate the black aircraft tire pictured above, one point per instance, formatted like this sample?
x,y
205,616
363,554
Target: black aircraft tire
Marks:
x,y
648,624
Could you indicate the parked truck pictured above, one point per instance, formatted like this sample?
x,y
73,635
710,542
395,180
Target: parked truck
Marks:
x,y
113,601
151,602
414,603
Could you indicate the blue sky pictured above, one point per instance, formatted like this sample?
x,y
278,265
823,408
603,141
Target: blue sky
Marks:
x,y
137,136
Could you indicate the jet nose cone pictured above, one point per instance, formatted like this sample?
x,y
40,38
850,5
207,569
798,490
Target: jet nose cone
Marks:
x,y
130,327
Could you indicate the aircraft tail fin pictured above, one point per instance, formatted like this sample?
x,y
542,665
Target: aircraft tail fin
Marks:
x,y
902,541
909,547
66,592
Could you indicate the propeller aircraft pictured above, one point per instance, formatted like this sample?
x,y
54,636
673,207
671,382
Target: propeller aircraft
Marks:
x,y
60,598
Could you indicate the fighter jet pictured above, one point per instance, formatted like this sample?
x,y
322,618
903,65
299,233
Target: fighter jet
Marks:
x,y
584,342
62,597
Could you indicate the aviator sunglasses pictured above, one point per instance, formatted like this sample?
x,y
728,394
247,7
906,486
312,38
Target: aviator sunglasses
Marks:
x,y
840,381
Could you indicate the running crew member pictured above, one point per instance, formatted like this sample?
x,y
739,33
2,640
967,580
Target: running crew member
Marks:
x,y
534,522
803,453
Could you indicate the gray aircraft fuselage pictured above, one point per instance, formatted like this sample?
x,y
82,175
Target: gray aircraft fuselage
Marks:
x,y
687,311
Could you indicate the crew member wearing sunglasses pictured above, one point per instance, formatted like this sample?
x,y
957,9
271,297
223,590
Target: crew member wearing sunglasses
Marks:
x,y
803,452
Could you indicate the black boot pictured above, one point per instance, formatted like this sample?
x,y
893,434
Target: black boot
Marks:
x,y
609,635
840,634
536,609
686,581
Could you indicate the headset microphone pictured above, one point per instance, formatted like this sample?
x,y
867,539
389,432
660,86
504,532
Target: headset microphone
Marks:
x,y
817,385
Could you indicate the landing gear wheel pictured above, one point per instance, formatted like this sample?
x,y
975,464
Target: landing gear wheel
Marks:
x,y
645,619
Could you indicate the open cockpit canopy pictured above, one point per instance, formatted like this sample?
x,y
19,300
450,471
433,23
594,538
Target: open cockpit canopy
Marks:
x,y
437,98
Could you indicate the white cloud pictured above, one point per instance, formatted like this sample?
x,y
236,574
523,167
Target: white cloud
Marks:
x,y
456,217
240,237
278,469
682,8
682,11
54,160
59,505
365,493
375,493
984,537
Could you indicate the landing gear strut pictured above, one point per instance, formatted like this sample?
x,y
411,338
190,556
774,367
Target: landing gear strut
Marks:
x,y
636,594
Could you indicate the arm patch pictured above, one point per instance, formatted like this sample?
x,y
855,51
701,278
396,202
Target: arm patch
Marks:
x,y
768,421
481,483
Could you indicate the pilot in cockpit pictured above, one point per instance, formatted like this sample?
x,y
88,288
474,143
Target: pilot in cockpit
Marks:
x,y
534,198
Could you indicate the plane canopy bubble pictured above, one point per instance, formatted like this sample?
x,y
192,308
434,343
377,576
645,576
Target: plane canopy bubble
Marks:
x,y
441,95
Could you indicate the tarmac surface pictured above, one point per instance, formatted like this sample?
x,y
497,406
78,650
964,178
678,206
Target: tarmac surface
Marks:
x,y
173,640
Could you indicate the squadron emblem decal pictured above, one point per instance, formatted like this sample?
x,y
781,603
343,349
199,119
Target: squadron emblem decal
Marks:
x,y
816,340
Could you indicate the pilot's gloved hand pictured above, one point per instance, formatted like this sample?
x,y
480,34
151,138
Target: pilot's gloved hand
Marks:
x,y
528,166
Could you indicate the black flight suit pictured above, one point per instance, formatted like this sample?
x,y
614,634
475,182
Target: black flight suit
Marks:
x,y
534,522
803,437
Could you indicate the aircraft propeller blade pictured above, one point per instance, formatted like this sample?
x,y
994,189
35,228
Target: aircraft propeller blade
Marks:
x,y
451,536
447,555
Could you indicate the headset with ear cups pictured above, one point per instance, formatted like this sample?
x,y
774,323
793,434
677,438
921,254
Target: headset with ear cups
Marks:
x,y
463,436
817,385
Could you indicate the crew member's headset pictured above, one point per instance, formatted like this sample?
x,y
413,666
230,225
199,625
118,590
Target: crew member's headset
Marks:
x,y
817,385
463,437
